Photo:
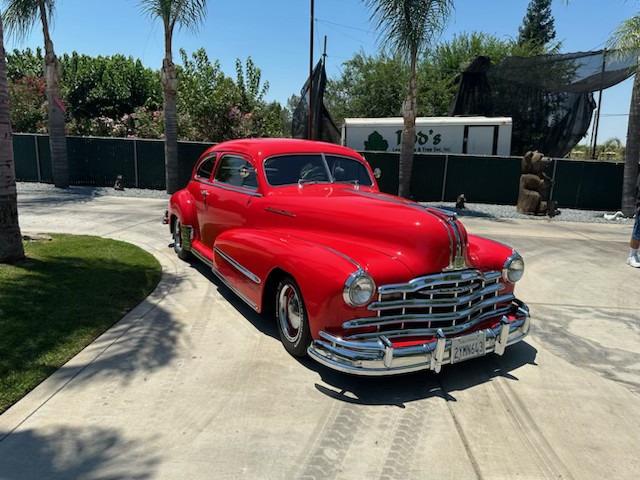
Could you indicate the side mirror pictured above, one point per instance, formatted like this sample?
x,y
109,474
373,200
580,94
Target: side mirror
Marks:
x,y
377,173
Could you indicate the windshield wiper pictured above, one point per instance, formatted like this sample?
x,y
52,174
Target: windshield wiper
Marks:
x,y
303,181
352,182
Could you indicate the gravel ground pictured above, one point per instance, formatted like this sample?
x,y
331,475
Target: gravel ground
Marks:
x,y
472,210
45,188
509,211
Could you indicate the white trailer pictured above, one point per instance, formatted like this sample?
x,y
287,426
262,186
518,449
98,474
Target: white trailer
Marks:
x,y
472,135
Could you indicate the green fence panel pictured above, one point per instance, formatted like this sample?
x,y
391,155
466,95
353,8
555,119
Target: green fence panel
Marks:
x,y
388,164
483,179
24,154
188,155
588,185
151,164
44,154
98,161
426,178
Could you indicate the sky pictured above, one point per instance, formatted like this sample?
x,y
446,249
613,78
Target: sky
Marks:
x,y
276,35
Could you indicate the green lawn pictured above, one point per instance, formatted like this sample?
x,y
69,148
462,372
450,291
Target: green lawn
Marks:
x,y
66,293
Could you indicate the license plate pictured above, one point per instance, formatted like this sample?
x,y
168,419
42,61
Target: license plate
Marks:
x,y
469,346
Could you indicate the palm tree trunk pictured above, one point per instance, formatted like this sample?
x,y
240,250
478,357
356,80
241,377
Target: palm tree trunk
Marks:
x,y
409,113
170,85
632,156
55,106
10,239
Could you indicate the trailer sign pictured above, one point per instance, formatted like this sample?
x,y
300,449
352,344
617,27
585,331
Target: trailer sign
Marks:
x,y
473,135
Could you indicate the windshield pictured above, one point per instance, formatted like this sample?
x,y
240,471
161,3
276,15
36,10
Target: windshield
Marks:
x,y
298,169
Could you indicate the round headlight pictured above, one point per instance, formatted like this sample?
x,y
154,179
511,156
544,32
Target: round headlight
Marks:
x,y
359,289
513,268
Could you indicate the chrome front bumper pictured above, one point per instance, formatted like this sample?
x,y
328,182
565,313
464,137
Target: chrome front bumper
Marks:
x,y
380,357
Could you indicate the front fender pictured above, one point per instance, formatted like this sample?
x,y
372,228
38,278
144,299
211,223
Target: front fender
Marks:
x,y
320,272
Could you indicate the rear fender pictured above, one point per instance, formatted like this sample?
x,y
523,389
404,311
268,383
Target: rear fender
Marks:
x,y
182,206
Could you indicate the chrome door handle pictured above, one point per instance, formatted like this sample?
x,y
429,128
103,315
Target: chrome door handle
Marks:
x,y
204,193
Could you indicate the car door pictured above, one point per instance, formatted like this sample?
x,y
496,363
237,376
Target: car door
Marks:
x,y
235,185
235,188
200,189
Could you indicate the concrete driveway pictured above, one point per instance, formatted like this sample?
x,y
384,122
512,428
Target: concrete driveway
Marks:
x,y
192,384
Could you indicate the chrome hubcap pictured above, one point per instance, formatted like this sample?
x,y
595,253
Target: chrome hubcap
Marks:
x,y
290,314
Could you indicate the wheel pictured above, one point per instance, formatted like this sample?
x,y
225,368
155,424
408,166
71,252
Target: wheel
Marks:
x,y
177,241
291,316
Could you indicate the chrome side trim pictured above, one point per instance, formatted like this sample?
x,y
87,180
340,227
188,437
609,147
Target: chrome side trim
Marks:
x,y
346,257
233,289
279,211
202,258
246,272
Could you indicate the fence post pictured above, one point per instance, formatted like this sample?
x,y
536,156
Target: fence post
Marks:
x,y
37,150
553,178
135,163
444,176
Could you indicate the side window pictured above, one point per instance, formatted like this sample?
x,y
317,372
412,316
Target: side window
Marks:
x,y
206,168
236,171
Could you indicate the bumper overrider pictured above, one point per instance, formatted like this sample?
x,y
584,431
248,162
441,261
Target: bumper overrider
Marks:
x,y
379,356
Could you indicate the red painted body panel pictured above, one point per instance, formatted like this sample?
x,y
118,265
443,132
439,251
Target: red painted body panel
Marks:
x,y
318,233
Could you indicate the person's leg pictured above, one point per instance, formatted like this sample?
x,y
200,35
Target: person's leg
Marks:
x,y
634,258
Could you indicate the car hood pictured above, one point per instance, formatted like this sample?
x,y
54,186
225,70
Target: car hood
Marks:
x,y
357,222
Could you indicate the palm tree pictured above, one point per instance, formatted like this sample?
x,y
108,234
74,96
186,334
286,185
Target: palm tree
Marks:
x,y
627,38
19,17
172,13
409,27
10,239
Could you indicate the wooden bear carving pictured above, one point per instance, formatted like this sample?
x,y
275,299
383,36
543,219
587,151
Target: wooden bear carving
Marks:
x,y
535,186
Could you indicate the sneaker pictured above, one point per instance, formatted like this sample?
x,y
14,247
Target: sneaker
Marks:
x,y
633,261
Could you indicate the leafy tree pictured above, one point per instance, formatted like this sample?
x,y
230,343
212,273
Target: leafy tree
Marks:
x,y
374,86
538,26
173,13
409,27
205,98
370,86
25,63
627,38
10,239
214,107
20,17
27,97
108,86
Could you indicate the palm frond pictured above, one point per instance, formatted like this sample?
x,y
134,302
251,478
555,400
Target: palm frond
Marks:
x,y
408,27
627,35
19,17
182,13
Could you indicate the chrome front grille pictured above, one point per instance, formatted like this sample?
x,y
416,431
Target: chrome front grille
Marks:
x,y
451,301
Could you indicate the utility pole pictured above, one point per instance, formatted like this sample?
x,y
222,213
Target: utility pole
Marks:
x,y
311,25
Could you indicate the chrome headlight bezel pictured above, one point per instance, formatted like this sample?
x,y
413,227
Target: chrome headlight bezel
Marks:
x,y
357,278
513,269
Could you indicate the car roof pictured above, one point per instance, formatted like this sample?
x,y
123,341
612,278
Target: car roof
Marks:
x,y
261,148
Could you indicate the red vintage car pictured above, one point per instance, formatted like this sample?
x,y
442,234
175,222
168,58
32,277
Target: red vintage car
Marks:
x,y
361,281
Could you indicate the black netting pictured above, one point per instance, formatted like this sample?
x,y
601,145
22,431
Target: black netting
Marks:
x,y
549,97
323,126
